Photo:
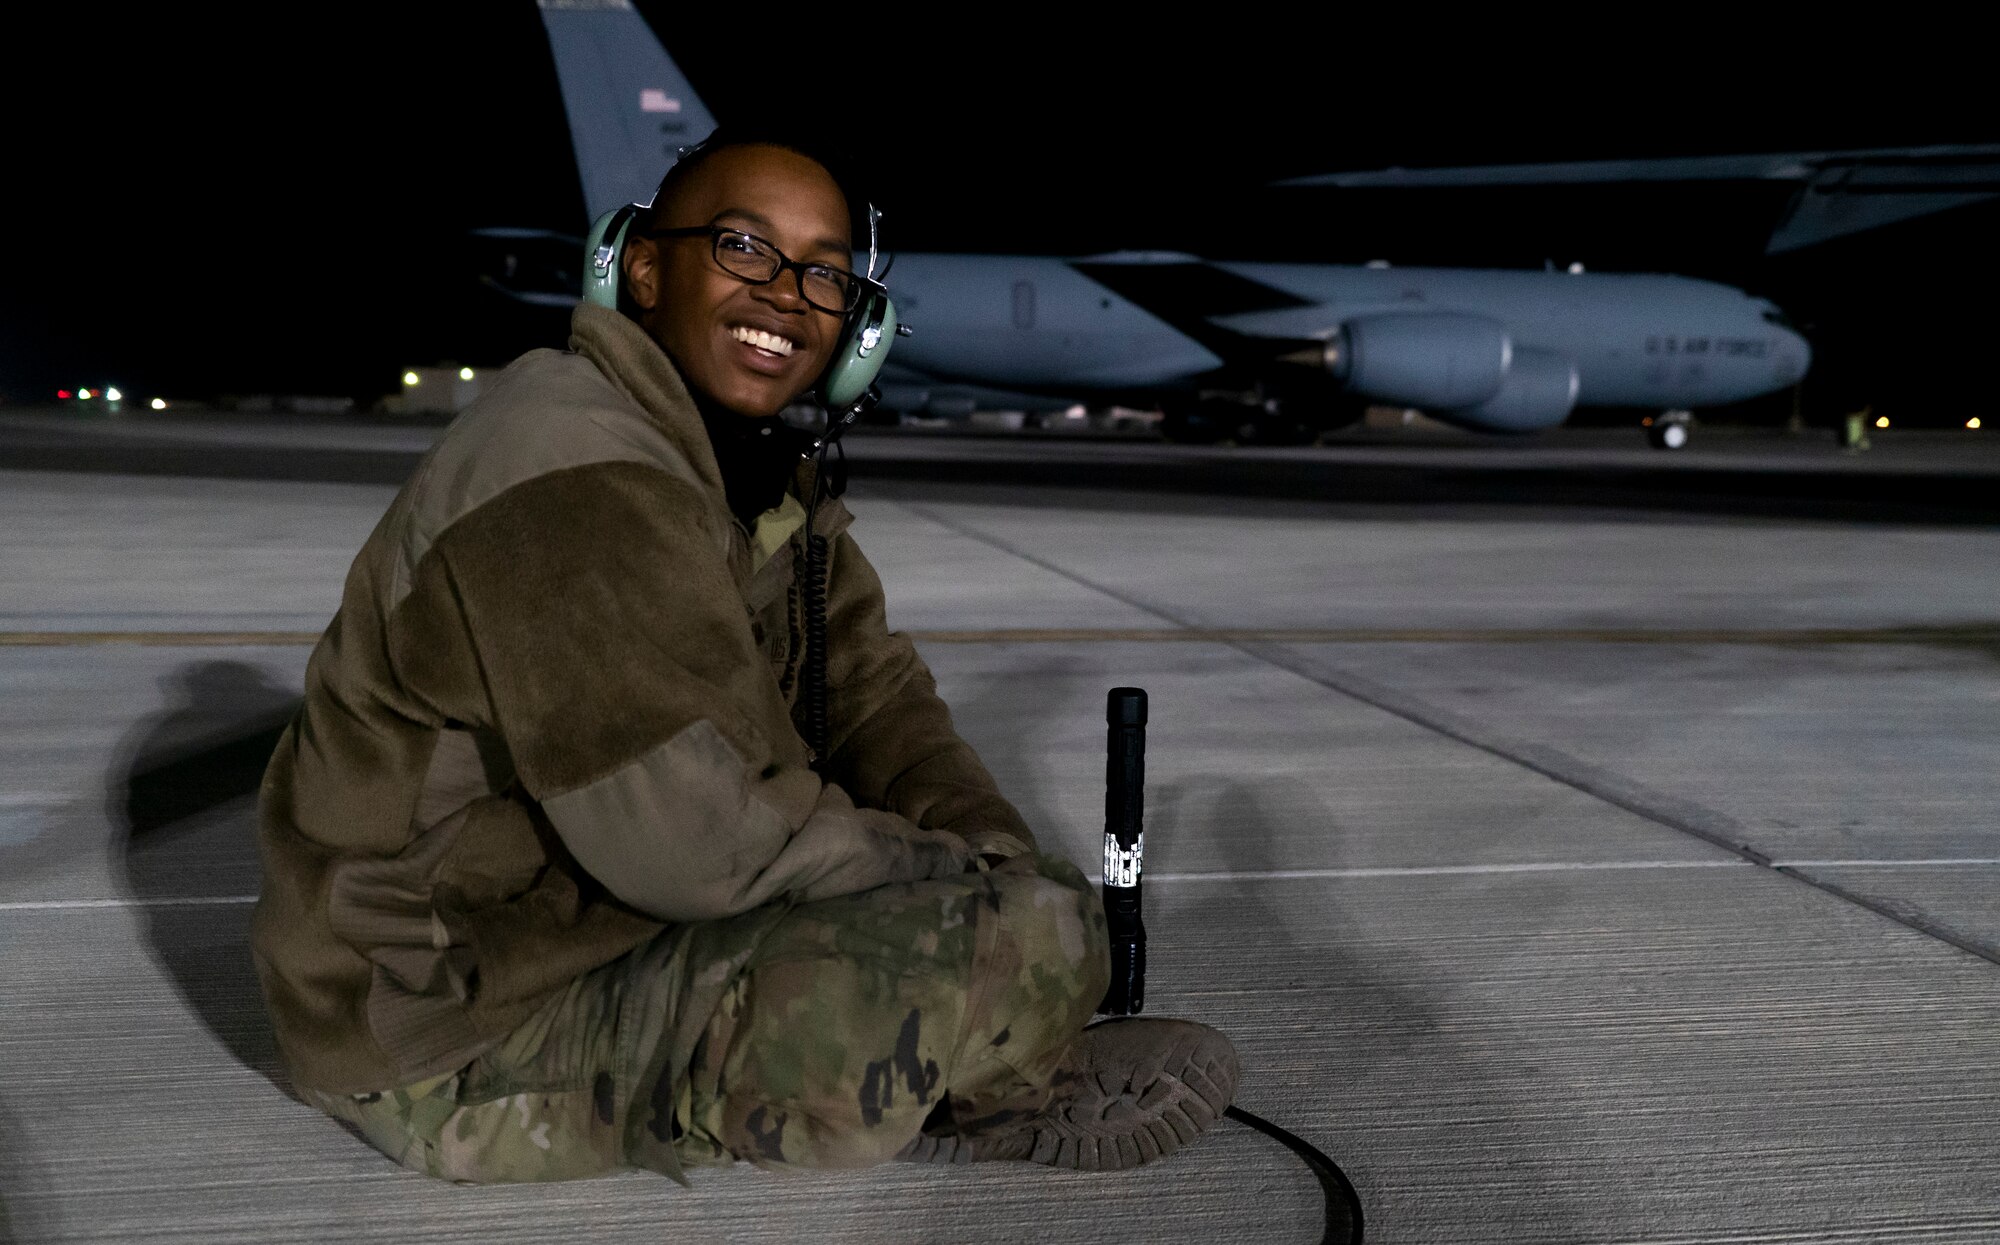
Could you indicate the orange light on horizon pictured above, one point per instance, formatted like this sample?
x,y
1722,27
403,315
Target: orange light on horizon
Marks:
x,y
1973,422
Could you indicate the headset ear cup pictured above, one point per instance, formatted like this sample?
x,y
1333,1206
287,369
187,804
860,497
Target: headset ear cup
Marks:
x,y
863,348
604,257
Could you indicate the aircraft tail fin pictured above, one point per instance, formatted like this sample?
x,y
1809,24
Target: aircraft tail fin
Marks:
x,y
630,107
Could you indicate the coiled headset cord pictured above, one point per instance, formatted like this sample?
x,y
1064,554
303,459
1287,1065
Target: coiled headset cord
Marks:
x,y
812,689
1343,1205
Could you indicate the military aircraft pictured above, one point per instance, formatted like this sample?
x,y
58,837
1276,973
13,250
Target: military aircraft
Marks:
x,y
1263,352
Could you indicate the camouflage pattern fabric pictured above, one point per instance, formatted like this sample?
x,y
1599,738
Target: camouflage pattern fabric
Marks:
x,y
835,1030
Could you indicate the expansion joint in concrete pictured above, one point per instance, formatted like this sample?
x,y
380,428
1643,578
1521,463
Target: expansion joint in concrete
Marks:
x,y
1685,816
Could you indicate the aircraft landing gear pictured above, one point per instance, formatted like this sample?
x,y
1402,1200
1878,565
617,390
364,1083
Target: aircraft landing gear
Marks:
x,y
1216,419
1670,430
1274,423
1198,423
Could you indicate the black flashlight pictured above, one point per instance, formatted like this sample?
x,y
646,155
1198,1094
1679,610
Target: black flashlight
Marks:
x,y
1124,848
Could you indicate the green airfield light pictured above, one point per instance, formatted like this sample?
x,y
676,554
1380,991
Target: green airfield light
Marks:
x,y
112,395
85,394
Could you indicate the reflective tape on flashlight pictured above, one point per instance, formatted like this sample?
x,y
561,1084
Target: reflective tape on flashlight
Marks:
x,y
1121,864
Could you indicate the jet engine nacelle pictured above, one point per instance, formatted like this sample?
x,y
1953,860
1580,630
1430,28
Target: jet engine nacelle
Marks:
x,y
1539,391
1432,360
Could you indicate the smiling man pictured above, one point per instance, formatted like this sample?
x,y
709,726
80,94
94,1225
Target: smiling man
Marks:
x,y
554,885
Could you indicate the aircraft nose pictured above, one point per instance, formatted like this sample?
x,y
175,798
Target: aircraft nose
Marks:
x,y
1792,358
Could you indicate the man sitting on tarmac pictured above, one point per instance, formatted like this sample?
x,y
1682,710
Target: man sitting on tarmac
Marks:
x,y
553,885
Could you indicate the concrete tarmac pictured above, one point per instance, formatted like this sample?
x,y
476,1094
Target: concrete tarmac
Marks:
x,y
1569,870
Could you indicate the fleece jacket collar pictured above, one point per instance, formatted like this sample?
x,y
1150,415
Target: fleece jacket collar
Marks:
x,y
634,362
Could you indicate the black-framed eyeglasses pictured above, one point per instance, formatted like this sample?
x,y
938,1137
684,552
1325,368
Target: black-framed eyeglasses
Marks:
x,y
750,259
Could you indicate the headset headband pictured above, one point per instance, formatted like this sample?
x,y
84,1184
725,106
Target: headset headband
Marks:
x,y
681,155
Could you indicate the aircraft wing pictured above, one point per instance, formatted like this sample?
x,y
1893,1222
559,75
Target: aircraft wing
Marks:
x,y
1199,300
1839,192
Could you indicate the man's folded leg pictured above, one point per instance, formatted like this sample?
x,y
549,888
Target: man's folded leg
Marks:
x,y
820,1035
576,1090
859,1018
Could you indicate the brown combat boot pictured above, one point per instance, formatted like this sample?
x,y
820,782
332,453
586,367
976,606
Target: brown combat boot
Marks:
x,y
1128,1090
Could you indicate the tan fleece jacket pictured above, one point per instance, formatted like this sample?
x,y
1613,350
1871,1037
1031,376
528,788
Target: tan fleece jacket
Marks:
x,y
555,713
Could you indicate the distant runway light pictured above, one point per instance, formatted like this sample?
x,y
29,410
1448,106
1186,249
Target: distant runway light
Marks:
x,y
158,404
1576,269
64,394
1973,422
84,394
1882,421
409,378
465,373
112,395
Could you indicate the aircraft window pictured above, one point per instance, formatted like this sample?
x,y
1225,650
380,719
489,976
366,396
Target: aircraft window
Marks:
x,y
1773,316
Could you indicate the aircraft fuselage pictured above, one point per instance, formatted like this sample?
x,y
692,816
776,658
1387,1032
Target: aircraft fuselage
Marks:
x,y
1042,324
1636,339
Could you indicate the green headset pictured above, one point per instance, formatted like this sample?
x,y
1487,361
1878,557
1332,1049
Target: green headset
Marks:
x,y
847,387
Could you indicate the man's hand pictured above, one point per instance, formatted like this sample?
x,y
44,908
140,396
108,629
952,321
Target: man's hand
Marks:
x,y
990,862
993,848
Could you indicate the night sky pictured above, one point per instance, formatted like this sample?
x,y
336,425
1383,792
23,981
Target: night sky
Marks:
x,y
279,202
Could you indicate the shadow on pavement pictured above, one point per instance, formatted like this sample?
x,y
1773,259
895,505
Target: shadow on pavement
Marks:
x,y
1341,1040
187,801
19,1181
987,711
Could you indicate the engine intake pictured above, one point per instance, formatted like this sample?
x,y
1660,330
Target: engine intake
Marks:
x,y
1433,360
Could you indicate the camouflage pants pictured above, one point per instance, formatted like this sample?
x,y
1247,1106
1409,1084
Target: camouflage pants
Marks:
x,y
833,1031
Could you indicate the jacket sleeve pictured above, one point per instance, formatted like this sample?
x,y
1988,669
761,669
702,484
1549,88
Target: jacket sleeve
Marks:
x,y
892,741
616,661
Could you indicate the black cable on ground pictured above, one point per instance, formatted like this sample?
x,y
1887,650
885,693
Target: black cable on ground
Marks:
x,y
1343,1204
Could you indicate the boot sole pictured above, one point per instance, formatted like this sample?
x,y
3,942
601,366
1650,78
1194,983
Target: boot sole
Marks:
x,y
1111,1118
